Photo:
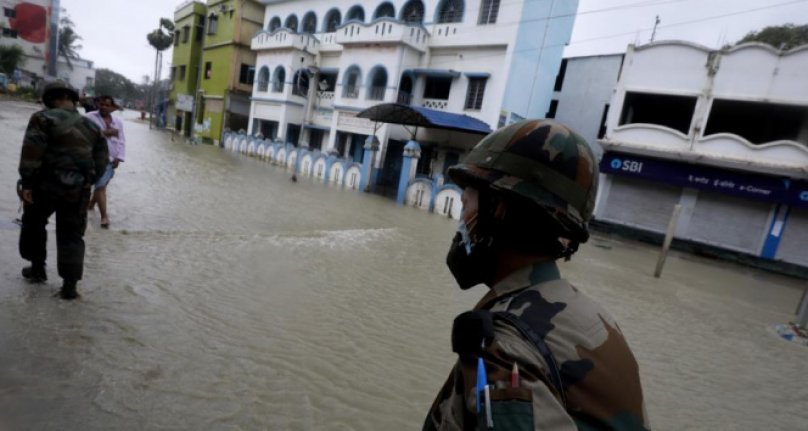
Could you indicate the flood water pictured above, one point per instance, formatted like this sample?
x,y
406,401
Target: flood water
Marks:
x,y
225,296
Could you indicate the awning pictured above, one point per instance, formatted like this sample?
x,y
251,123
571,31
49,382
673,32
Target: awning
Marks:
x,y
477,74
436,73
396,113
316,127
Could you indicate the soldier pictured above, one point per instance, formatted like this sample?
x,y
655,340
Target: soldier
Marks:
x,y
535,353
62,155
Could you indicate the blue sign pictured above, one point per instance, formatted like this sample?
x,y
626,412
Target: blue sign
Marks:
x,y
798,194
750,186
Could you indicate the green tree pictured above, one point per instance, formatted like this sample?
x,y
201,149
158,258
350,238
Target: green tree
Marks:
x,y
68,46
114,84
782,37
11,58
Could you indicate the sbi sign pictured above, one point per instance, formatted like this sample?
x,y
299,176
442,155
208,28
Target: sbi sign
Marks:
x,y
626,166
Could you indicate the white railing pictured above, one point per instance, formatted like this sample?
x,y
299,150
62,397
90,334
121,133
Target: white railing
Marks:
x,y
438,104
383,31
284,39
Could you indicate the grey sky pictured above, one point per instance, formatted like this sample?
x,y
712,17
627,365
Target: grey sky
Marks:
x,y
114,31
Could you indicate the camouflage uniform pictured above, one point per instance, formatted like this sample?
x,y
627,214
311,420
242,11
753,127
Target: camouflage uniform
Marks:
x,y
586,377
62,153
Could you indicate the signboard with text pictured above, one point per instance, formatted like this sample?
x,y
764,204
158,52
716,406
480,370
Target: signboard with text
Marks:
x,y
744,185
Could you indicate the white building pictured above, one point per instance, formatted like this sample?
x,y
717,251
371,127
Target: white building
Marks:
x,y
492,60
722,133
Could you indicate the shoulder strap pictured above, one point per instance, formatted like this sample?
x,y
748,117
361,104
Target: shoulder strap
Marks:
x,y
553,370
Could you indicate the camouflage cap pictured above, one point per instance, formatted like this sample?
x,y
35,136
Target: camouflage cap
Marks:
x,y
59,86
542,161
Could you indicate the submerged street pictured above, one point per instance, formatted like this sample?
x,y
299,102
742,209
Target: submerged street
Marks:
x,y
225,296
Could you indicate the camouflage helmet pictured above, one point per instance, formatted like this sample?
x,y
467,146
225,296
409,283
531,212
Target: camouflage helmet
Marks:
x,y
54,87
541,161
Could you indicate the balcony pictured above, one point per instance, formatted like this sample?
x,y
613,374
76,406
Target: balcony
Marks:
x,y
437,104
383,31
325,99
284,39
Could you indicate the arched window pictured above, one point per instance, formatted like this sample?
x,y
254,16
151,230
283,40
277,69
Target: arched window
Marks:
x,y
489,9
385,10
405,89
351,82
291,22
263,79
300,83
377,84
333,19
274,23
450,11
309,23
356,13
413,12
278,78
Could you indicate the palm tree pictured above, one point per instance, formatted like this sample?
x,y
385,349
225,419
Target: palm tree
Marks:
x,y
68,45
160,39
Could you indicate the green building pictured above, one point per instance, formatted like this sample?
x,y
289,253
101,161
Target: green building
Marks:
x,y
189,21
228,67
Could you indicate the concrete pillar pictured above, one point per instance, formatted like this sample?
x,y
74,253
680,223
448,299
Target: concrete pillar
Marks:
x,y
371,147
412,152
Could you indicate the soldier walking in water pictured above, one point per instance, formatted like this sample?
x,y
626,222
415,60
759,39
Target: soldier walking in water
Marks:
x,y
63,153
536,352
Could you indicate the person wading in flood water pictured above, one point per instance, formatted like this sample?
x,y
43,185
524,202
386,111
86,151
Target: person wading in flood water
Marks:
x,y
62,155
535,353
112,129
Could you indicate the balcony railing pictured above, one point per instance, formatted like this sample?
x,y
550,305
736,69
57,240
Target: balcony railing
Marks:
x,y
381,31
404,98
350,92
438,104
376,93
284,39
325,99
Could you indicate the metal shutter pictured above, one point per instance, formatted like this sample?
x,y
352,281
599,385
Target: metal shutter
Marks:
x,y
729,222
794,243
644,204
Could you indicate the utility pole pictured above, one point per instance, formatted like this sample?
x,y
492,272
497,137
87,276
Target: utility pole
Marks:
x,y
656,23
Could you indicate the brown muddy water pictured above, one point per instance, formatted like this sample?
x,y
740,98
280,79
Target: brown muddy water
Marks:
x,y
225,296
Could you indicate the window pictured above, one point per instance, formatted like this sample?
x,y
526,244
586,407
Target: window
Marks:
x,y
274,24
309,23
213,24
263,79
559,82
9,13
200,29
489,9
551,111
330,79
300,83
208,71
173,74
385,10
450,11
7,32
675,112
333,19
475,94
186,33
182,73
291,22
355,13
176,38
351,82
378,84
758,122
246,74
437,88
278,79
413,12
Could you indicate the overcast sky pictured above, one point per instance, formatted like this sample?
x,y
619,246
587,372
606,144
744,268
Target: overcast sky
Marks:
x,y
114,31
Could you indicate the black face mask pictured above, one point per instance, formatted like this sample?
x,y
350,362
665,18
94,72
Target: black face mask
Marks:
x,y
470,269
